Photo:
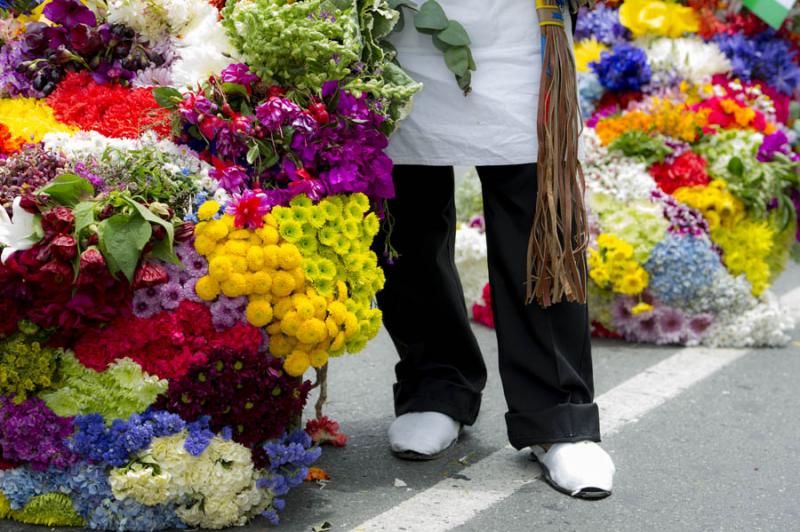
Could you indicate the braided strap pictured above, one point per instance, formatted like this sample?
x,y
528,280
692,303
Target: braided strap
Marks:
x,y
556,259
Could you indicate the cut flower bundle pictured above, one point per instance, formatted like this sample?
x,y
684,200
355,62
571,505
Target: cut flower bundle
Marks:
x,y
190,195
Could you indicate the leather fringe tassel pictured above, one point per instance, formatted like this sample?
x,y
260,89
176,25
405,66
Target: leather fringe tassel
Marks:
x,y
557,247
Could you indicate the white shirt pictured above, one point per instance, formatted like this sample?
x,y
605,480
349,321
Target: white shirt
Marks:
x,y
496,123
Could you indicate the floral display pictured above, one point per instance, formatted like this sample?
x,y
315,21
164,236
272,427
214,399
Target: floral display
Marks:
x,y
190,195
692,167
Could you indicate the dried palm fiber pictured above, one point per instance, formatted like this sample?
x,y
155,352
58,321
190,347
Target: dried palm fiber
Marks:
x,y
556,264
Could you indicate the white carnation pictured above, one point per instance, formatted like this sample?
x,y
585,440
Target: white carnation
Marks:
x,y
471,262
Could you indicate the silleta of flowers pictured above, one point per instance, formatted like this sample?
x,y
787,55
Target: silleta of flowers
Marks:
x,y
692,162
190,193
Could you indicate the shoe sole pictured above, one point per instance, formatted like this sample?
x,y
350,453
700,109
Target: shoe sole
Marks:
x,y
587,494
413,456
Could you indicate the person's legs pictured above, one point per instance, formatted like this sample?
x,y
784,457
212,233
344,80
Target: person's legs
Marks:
x,y
441,368
545,354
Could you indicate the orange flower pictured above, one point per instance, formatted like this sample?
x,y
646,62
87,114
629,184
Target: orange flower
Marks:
x,y
315,474
659,115
8,143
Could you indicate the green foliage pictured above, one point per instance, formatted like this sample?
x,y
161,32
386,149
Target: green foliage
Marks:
x,y
642,146
67,190
116,393
48,509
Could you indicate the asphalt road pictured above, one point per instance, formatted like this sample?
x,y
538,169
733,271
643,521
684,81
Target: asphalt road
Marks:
x,y
723,454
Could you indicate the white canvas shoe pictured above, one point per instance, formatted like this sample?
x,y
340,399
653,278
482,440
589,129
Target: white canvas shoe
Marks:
x,y
582,469
423,435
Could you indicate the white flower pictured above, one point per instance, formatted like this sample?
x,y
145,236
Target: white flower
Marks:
x,y
614,174
17,233
203,49
690,57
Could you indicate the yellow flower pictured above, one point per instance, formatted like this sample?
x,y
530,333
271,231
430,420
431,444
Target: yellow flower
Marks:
x,y
283,284
301,200
239,234
299,279
303,306
239,263
291,323
587,51
307,245
319,358
317,218
312,331
259,313
206,288
291,230
350,325
261,283
641,308
289,256
255,258
333,328
30,119
371,225
236,247
327,236
331,209
338,342
271,253
658,17
297,363
204,245
235,285
220,268
208,210
216,230
268,235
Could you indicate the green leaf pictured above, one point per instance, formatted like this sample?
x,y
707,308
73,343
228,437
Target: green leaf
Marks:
x,y
167,97
84,215
396,4
236,89
145,213
736,166
163,250
430,18
454,34
122,239
67,189
457,60
252,154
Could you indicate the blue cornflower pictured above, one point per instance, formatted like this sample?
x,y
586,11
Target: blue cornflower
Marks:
x,y
765,56
625,68
602,23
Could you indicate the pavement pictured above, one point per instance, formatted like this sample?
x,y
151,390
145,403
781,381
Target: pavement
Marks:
x,y
703,440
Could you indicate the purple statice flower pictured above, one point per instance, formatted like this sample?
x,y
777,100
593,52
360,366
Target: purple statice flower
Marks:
x,y
85,172
69,13
671,326
277,112
171,295
199,436
774,143
32,417
232,178
624,68
239,73
144,306
602,23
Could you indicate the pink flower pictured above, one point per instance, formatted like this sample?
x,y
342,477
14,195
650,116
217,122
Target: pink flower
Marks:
x,y
248,209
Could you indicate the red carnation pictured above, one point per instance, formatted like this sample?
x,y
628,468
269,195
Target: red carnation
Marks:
x,y
325,430
686,170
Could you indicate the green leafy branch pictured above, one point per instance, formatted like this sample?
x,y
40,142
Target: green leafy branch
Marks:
x,y
449,36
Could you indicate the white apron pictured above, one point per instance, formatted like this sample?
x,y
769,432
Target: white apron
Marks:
x,y
496,123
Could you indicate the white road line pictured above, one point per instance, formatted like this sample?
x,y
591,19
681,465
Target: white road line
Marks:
x,y
454,502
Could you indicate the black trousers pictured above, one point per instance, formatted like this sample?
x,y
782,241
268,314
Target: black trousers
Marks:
x,y
545,354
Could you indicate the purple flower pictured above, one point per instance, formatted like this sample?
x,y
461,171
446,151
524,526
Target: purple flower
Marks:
x,y
602,23
239,73
777,142
69,13
698,325
33,418
145,306
171,295
765,56
277,112
232,178
671,326
189,292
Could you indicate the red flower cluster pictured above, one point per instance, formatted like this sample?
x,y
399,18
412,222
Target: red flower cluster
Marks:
x,y
686,170
39,284
325,430
113,110
600,331
167,345
240,388
482,313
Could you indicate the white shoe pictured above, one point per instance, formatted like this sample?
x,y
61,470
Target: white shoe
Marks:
x,y
582,469
423,435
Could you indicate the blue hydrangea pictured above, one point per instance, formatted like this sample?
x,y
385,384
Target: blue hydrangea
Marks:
x,y
625,68
87,485
602,23
589,92
762,57
680,267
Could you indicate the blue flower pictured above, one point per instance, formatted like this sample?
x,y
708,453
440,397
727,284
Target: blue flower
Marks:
x,y
625,68
680,267
602,23
764,57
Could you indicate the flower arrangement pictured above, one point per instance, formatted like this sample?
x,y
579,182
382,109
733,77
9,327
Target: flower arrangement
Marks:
x,y
189,204
692,171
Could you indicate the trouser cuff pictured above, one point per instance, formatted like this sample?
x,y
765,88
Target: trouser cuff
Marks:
x,y
559,424
445,397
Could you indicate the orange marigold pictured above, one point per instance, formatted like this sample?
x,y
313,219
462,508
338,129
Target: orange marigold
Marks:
x,y
658,115
8,143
